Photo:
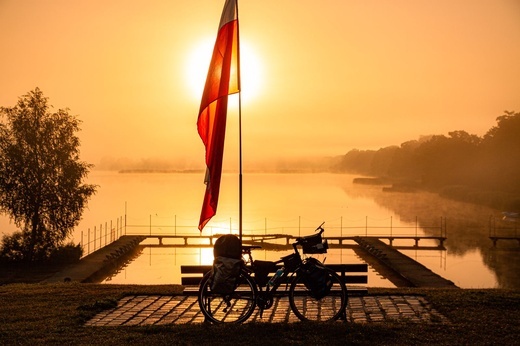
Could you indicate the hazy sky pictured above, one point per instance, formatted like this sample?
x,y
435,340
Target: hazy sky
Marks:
x,y
319,77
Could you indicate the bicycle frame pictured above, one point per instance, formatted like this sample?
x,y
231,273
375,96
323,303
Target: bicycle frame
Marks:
x,y
266,295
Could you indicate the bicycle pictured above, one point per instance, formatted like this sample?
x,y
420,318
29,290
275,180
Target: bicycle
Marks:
x,y
309,298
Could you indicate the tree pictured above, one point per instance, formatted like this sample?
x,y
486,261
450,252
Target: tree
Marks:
x,y
41,175
501,153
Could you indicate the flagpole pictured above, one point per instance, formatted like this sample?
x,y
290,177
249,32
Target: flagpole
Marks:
x,y
239,131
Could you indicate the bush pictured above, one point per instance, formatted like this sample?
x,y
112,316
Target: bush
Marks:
x,y
66,254
12,248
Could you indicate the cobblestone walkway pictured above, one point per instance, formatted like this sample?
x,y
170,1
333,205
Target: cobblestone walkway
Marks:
x,y
161,310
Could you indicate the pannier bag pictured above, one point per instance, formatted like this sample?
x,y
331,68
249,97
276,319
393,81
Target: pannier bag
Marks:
x,y
316,278
227,263
225,274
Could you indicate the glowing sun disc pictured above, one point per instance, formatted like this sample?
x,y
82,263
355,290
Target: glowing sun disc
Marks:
x,y
197,65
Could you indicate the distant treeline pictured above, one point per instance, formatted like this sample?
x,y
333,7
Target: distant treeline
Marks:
x,y
484,170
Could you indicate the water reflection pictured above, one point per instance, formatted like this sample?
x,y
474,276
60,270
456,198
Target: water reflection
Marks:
x,y
296,204
161,265
468,236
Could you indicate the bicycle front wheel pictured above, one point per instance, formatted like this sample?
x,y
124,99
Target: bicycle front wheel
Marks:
x,y
307,307
230,308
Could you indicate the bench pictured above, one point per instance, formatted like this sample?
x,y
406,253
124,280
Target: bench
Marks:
x,y
353,275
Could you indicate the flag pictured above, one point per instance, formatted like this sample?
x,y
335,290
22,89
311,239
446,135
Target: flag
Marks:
x,y
222,80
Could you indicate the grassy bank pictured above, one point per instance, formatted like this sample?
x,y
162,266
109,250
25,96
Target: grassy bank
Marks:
x,y
55,314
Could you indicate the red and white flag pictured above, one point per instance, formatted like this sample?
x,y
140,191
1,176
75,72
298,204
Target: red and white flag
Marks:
x,y
222,80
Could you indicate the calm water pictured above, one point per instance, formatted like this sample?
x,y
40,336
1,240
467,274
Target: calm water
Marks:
x,y
295,204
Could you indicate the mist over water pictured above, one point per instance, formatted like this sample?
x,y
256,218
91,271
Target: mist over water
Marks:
x,y
468,231
294,204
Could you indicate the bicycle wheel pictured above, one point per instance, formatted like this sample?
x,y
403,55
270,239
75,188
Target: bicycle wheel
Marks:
x,y
231,308
307,308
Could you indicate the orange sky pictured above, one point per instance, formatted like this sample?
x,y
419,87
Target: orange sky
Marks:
x,y
335,74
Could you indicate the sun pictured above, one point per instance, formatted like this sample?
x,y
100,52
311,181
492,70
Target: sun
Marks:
x,y
197,64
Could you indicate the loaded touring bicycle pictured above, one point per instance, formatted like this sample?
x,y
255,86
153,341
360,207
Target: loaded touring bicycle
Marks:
x,y
238,284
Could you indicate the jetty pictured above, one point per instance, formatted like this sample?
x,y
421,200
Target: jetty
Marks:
x,y
504,229
385,258
284,241
95,266
399,268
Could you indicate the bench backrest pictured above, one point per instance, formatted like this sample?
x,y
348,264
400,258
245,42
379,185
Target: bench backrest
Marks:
x,y
349,273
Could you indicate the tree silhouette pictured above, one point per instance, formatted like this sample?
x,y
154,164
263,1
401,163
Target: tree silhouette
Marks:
x,y
41,174
461,165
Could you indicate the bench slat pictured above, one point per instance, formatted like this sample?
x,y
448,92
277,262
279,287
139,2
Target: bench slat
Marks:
x,y
349,268
349,279
195,269
342,269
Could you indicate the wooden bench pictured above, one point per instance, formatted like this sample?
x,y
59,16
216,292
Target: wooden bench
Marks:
x,y
353,275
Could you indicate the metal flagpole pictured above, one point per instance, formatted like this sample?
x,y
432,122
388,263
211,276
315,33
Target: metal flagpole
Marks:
x,y
239,130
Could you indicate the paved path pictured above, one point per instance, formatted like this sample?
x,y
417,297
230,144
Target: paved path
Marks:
x,y
180,309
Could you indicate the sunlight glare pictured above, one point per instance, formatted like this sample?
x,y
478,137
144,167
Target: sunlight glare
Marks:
x,y
197,64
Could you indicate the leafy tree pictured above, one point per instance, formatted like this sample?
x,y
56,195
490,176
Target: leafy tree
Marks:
x,y
501,153
41,175
447,160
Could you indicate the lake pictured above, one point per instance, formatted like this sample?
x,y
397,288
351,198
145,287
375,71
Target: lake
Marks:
x,y
295,204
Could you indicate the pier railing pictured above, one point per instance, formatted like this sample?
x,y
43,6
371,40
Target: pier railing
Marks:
x,y
99,236
108,232
504,229
361,227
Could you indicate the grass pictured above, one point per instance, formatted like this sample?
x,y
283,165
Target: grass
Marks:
x,y
22,273
55,314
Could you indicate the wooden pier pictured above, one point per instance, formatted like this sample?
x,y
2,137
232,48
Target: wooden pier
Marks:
x,y
94,267
397,267
284,241
410,272
505,228
495,239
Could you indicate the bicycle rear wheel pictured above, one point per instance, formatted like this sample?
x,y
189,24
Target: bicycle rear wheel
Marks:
x,y
307,308
232,308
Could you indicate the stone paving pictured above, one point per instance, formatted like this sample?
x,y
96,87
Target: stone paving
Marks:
x,y
180,309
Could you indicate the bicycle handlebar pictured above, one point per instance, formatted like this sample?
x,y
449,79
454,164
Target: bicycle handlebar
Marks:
x,y
299,240
320,228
